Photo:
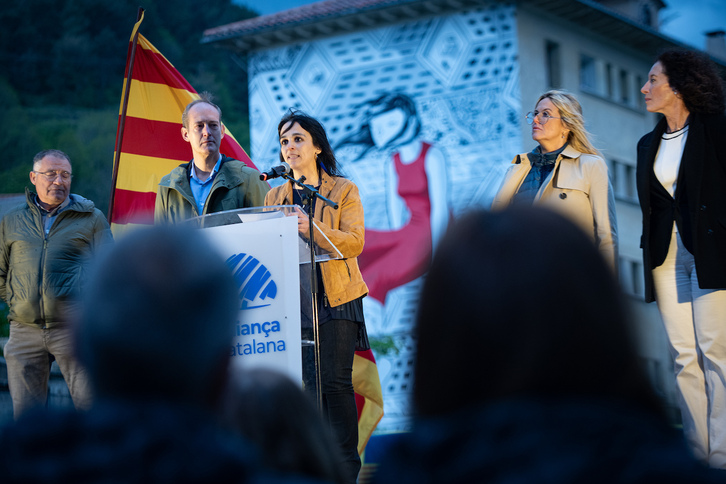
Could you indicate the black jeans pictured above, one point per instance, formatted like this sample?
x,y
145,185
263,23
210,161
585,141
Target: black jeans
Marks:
x,y
337,348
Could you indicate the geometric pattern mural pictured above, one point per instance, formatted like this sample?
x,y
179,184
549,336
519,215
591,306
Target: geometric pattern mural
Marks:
x,y
460,73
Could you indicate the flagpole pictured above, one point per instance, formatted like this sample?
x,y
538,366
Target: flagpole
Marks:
x,y
124,107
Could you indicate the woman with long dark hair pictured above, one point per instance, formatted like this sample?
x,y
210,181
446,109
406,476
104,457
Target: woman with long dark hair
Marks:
x,y
681,179
305,147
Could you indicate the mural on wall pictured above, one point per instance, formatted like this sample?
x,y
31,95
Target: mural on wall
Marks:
x,y
424,117
414,177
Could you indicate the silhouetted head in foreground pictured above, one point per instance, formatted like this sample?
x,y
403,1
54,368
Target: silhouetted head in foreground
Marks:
x,y
158,318
519,303
268,408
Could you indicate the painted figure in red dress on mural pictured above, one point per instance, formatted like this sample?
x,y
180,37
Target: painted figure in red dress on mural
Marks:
x,y
416,203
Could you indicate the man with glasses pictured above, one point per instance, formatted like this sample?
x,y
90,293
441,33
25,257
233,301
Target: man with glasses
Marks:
x,y
45,246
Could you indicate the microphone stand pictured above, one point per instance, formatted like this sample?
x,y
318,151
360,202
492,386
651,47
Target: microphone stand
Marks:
x,y
309,194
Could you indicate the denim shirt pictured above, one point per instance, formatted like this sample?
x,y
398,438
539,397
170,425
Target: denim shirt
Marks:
x,y
201,189
542,166
49,217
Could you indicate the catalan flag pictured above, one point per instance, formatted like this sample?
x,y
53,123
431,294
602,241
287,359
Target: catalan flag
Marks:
x,y
149,145
368,395
148,139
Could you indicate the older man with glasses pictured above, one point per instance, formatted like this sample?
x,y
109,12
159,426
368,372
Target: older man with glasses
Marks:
x,y
45,246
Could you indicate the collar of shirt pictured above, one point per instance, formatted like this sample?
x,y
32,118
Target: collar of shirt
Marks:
x,y
50,216
195,177
201,189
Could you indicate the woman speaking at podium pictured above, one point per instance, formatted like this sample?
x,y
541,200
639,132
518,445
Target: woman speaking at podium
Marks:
x,y
305,147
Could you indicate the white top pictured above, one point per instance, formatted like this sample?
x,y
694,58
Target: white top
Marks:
x,y
668,159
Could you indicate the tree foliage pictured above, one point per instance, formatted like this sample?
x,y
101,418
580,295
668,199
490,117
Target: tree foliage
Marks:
x,y
63,69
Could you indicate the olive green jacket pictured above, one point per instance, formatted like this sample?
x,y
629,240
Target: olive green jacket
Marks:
x,y
41,276
235,186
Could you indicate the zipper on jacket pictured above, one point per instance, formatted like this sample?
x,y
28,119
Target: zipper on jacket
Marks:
x,y
41,275
191,202
216,185
43,256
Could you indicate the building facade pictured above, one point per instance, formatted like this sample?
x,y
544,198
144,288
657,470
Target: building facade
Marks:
x,y
426,100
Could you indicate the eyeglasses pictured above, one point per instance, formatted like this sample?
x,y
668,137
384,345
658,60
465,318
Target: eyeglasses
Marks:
x,y
543,118
52,175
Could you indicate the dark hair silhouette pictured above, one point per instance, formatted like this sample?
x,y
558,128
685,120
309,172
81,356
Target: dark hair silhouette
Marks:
x,y
267,408
520,303
142,335
695,78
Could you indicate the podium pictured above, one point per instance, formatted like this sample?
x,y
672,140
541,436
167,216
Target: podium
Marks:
x,y
271,263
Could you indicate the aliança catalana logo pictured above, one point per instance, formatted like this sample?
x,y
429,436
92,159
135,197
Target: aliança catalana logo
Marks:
x,y
256,286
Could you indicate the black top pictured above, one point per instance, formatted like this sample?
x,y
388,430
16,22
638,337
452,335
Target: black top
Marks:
x,y
698,206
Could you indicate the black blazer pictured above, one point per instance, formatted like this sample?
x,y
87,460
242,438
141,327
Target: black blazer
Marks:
x,y
698,206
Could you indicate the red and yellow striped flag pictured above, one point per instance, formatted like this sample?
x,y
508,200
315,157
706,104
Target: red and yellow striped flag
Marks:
x,y
151,144
368,395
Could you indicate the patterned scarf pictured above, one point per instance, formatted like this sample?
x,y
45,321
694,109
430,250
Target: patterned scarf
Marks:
x,y
542,166
539,159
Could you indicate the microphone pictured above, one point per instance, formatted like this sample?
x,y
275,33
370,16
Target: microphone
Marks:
x,y
276,171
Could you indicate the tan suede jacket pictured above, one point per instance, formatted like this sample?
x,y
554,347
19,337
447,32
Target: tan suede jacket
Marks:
x,y
578,188
344,227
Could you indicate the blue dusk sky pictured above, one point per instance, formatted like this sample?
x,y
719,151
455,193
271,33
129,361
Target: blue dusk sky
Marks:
x,y
685,20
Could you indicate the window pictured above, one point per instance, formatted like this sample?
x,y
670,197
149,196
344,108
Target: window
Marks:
x,y
622,176
609,80
646,16
588,73
638,95
554,71
624,87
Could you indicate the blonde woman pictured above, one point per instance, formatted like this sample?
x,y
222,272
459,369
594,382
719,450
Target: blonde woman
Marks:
x,y
564,172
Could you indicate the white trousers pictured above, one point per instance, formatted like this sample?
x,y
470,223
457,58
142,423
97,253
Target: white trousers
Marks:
x,y
695,321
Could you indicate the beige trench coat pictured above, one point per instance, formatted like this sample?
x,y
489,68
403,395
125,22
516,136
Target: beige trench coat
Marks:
x,y
578,188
